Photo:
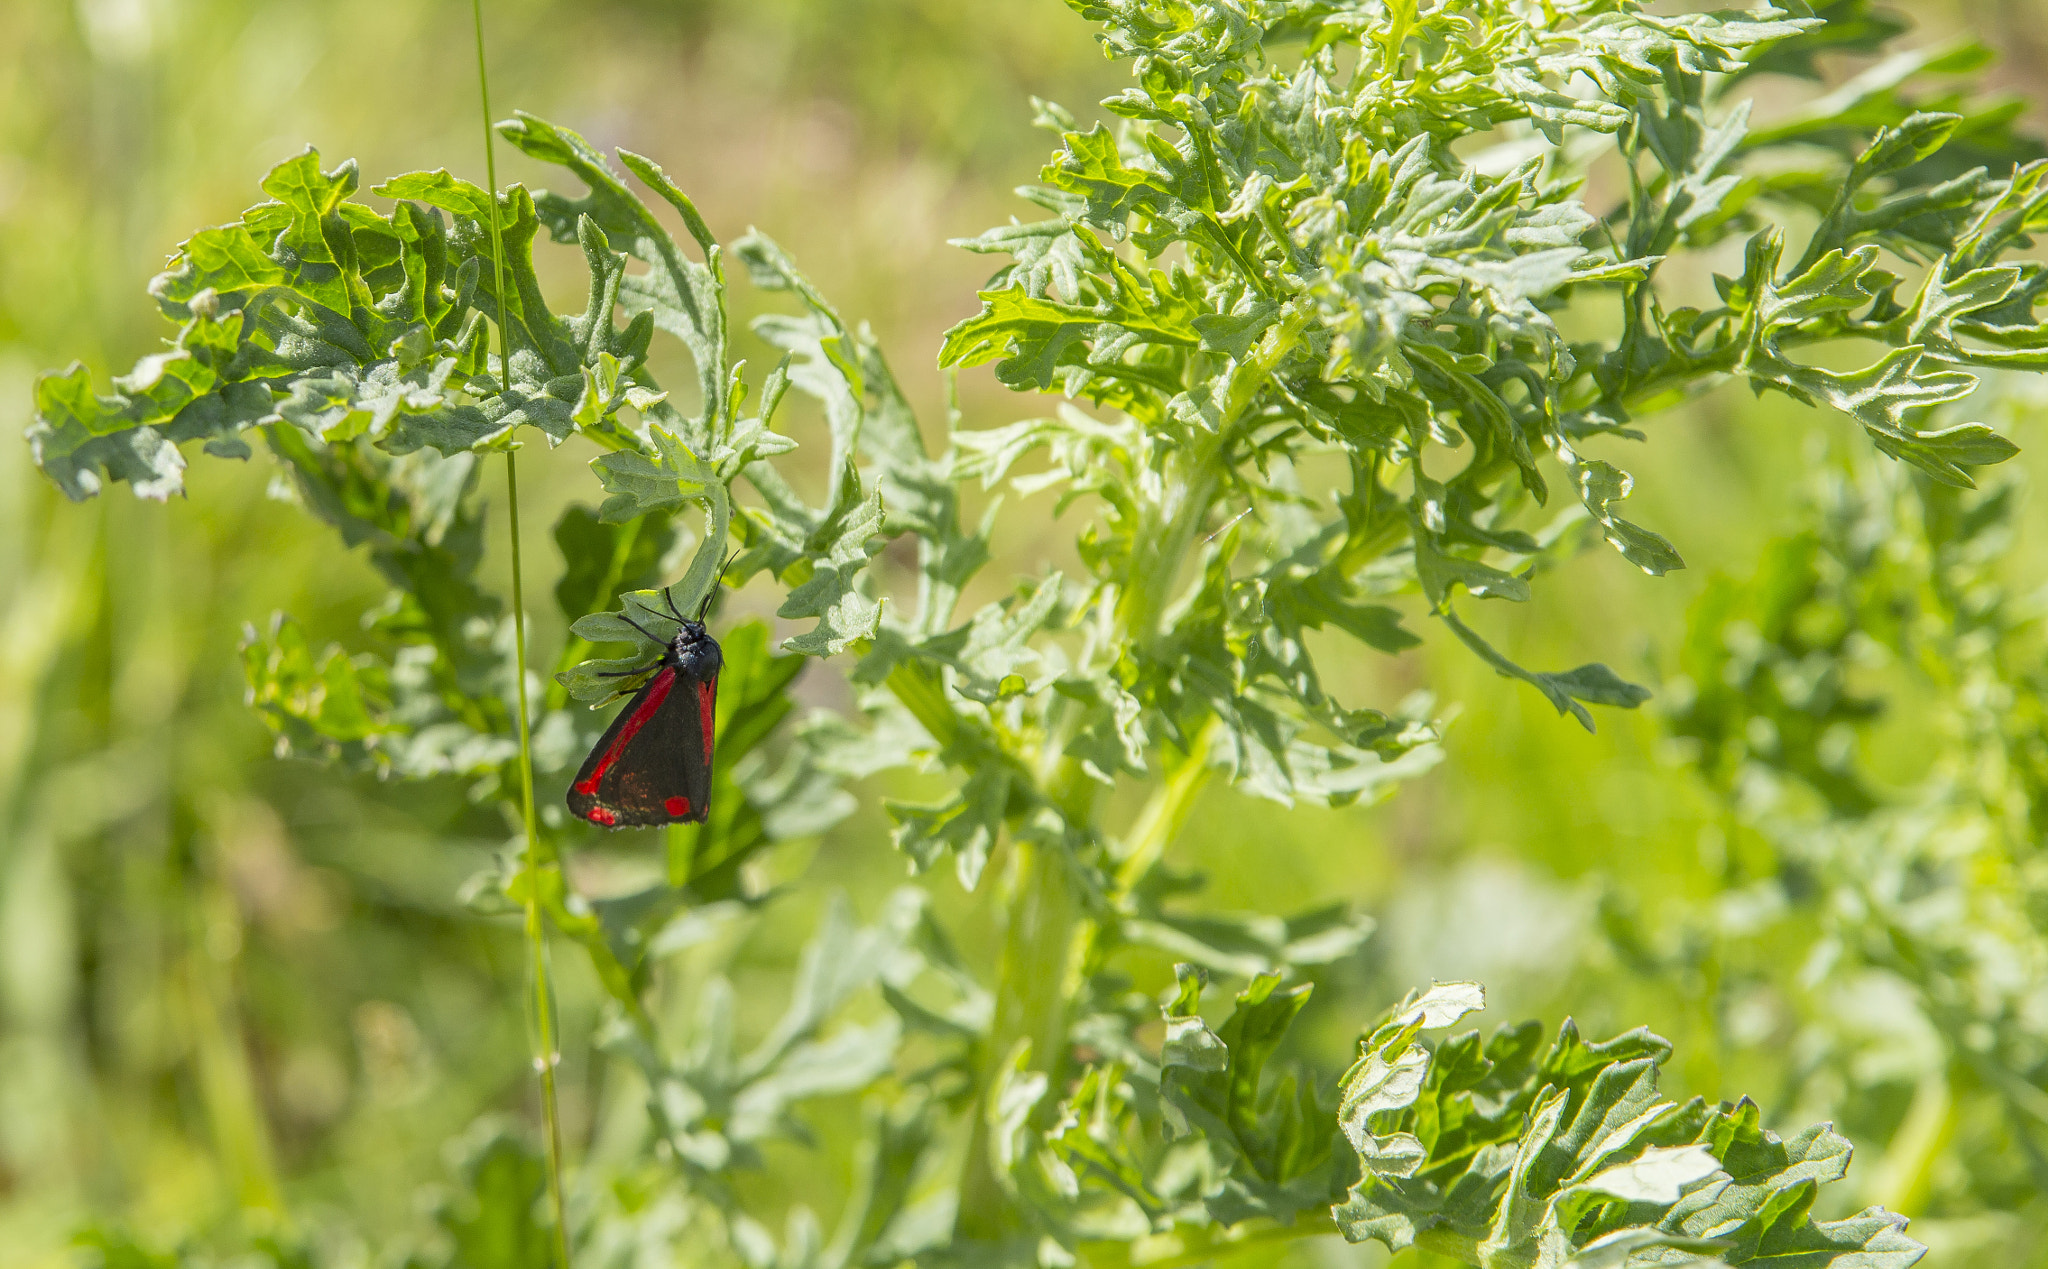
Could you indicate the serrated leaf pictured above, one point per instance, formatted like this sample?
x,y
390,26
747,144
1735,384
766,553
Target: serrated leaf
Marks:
x,y
831,593
1438,572
1442,1005
661,481
1658,1175
1567,1159
967,824
1593,684
1049,258
1911,140
1032,337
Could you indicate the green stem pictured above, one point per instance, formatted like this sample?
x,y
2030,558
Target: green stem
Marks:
x,y
1905,1173
1037,977
1048,939
537,857
920,691
1032,989
1219,1248
1165,813
1157,824
1165,543
1037,944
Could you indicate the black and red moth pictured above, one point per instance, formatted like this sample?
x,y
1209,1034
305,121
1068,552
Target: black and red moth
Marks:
x,y
653,765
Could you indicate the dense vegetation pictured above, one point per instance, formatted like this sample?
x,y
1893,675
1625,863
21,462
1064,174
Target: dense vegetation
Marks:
x,y
1331,319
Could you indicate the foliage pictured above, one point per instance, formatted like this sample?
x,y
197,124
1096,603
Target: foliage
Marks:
x,y
1291,284
1567,1156
1854,890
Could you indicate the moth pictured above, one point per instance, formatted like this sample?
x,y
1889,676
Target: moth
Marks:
x,y
653,764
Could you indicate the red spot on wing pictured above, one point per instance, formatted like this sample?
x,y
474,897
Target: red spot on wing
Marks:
x,y
602,815
657,692
707,713
677,806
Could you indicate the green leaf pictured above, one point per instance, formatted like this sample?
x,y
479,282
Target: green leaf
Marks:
x,y
1593,684
81,439
1438,572
1887,395
1571,1157
831,594
1049,258
327,706
967,824
681,296
662,481
1032,338
603,561
1911,140
495,1218
1169,198
1243,943
1273,1147
716,1107
640,484
319,311
1601,485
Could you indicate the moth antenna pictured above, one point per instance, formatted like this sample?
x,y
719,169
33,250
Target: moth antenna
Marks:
x,y
709,595
670,600
642,629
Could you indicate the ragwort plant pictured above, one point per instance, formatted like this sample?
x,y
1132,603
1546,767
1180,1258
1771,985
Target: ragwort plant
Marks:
x,y
1350,294
1886,933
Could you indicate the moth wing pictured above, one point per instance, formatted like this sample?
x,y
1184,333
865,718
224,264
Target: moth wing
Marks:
x,y
705,717
652,765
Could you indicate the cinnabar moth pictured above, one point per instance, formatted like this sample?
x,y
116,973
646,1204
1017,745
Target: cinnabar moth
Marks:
x,y
653,765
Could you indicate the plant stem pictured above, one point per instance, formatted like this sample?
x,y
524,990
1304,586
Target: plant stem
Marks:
x,y
1905,1173
537,858
1218,1248
1030,1005
1164,814
1165,544
1037,977
1048,940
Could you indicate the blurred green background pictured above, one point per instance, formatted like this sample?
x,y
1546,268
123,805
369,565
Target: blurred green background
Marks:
x,y
232,986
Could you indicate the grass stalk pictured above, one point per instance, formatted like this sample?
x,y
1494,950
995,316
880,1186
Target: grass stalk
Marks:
x,y
545,1058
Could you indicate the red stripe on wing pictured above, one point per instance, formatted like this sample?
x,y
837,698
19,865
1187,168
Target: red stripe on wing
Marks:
x,y
707,712
657,692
